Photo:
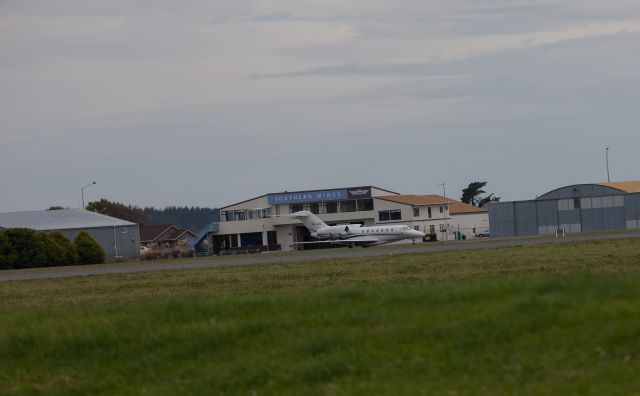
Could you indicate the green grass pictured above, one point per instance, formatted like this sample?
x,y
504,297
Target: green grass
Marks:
x,y
552,319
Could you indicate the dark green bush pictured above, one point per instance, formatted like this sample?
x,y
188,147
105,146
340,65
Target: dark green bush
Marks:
x,y
8,256
89,251
65,251
29,248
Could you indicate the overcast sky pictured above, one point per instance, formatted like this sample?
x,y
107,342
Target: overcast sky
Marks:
x,y
211,102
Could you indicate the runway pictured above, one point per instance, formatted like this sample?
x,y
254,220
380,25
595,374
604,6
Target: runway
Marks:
x,y
271,258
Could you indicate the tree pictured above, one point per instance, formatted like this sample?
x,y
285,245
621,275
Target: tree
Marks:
x,y
118,210
487,199
193,217
8,255
471,195
472,192
89,251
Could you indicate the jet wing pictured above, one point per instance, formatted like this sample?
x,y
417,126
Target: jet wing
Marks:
x,y
357,240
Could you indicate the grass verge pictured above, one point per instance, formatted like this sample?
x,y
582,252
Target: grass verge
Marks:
x,y
553,319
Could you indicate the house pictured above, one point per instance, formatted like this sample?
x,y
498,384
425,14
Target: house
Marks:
x,y
167,235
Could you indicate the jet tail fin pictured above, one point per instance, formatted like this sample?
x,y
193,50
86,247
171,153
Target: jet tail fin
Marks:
x,y
311,221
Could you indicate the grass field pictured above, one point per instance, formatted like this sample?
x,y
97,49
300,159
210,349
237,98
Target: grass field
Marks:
x,y
550,319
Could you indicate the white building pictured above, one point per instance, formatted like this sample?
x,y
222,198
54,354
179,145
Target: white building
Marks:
x,y
262,223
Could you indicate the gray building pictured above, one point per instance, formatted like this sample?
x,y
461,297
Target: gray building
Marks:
x,y
577,208
118,238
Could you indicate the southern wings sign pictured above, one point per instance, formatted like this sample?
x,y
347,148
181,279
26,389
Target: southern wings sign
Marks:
x,y
320,195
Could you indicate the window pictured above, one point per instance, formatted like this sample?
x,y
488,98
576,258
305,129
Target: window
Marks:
x,y
566,204
417,228
225,216
348,206
441,209
576,203
432,229
239,215
383,215
443,227
124,230
331,207
365,204
618,201
313,207
429,212
416,212
295,208
387,215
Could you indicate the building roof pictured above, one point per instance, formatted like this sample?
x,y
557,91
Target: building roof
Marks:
x,y
43,220
168,232
455,207
416,200
150,233
626,186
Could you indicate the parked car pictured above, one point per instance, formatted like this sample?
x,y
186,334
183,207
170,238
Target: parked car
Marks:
x,y
483,234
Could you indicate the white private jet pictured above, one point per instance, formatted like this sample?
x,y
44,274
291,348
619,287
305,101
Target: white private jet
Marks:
x,y
354,234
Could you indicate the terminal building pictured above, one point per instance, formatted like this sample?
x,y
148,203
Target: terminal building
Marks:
x,y
263,223
576,208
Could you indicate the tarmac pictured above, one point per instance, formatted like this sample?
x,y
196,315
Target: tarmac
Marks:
x,y
310,255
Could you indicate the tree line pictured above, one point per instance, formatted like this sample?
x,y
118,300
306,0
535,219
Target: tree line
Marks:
x,y
27,248
194,217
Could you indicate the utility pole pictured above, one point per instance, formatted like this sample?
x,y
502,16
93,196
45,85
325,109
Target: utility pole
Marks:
x,y
444,191
606,153
444,194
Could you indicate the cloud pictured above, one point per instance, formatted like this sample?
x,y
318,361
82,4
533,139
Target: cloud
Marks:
x,y
258,91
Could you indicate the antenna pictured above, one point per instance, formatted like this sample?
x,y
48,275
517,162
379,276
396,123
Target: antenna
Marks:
x,y
606,153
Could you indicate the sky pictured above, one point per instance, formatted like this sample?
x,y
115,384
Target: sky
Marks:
x,y
207,103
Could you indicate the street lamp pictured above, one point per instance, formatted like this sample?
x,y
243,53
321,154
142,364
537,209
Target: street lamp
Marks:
x,y
82,192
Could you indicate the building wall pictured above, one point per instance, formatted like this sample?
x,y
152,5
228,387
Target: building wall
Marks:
x,y
469,224
632,210
125,244
286,228
574,214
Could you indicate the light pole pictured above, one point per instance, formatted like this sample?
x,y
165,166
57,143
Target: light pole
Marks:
x,y
606,153
82,192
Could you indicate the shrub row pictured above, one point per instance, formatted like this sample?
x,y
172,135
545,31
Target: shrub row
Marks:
x,y
26,248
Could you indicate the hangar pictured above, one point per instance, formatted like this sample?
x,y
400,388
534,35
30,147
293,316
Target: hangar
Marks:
x,y
118,238
575,208
263,223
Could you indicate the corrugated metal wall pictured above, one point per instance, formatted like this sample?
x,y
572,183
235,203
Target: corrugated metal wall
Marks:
x,y
611,212
547,214
526,218
501,221
127,239
632,210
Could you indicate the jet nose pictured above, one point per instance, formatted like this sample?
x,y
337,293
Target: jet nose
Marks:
x,y
417,234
